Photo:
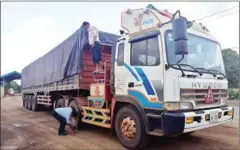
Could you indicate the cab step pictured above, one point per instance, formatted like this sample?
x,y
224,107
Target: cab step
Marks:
x,y
156,132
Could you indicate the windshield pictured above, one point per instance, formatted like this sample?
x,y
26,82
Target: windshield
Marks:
x,y
203,53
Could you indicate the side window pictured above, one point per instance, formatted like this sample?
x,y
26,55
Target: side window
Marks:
x,y
139,53
145,52
120,56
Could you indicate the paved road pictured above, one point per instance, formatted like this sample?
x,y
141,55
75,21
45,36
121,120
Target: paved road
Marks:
x,y
24,129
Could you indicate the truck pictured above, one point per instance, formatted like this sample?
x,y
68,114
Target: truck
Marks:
x,y
163,76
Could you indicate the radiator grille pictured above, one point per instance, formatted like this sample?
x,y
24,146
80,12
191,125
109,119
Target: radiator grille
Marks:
x,y
198,95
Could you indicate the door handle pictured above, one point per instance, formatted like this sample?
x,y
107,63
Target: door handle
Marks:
x,y
130,84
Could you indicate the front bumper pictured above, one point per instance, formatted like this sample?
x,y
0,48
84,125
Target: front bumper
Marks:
x,y
175,123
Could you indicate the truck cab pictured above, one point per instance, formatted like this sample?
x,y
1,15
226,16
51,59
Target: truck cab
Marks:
x,y
172,72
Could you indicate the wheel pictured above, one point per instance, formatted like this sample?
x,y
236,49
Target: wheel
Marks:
x,y
74,104
26,101
35,105
130,128
29,106
60,103
23,101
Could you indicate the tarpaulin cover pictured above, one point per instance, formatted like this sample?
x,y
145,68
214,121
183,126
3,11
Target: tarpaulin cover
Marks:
x,y
62,61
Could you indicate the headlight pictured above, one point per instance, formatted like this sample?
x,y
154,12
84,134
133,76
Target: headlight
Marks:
x,y
171,106
186,106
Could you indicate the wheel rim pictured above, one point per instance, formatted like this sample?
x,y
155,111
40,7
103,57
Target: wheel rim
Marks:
x,y
128,127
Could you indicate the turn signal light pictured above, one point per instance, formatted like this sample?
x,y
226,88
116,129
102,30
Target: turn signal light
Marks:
x,y
153,99
230,113
189,120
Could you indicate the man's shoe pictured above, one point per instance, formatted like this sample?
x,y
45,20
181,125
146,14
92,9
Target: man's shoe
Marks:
x,y
62,134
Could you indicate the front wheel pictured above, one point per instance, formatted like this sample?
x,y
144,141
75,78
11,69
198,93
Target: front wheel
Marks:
x,y
130,128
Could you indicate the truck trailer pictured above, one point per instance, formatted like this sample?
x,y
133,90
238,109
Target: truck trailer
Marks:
x,y
163,76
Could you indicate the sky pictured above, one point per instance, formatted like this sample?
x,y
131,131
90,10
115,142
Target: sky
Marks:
x,y
31,29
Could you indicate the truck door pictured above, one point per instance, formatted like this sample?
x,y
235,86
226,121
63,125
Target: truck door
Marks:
x,y
145,58
120,69
142,70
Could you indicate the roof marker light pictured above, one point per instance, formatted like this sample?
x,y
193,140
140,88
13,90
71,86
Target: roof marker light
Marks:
x,y
129,11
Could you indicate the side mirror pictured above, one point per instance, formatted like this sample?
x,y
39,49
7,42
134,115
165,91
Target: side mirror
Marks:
x,y
179,26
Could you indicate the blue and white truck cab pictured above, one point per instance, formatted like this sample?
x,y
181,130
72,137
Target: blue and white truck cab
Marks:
x,y
173,69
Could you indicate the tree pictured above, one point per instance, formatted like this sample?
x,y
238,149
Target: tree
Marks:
x,y
232,67
13,85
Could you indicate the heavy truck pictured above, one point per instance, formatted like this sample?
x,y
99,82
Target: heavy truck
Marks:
x,y
163,76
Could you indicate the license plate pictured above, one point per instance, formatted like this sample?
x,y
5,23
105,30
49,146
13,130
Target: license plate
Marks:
x,y
213,116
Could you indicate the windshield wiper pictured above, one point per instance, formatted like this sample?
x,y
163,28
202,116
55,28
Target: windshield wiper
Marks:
x,y
214,75
218,72
192,68
171,65
183,74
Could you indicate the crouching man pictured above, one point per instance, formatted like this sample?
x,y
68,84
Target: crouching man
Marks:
x,y
65,115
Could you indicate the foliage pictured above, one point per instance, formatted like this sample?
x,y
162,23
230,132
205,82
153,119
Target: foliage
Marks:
x,y
14,85
234,94
232,67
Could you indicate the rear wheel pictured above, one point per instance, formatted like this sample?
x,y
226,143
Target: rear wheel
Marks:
x,y
130,128
74,104
35,105
23,101
29,106
26,101
60,103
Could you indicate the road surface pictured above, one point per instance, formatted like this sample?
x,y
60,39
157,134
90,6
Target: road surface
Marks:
x,y
24,129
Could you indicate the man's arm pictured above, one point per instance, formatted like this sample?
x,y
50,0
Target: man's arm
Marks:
x,y
94,36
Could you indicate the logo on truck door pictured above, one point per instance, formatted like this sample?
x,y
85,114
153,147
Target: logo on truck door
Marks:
x,y
209,97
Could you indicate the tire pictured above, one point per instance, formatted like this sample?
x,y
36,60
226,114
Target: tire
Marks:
x,y
29,106
73,103
133,118
35,105
80,124
23,102
60,103
26,101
